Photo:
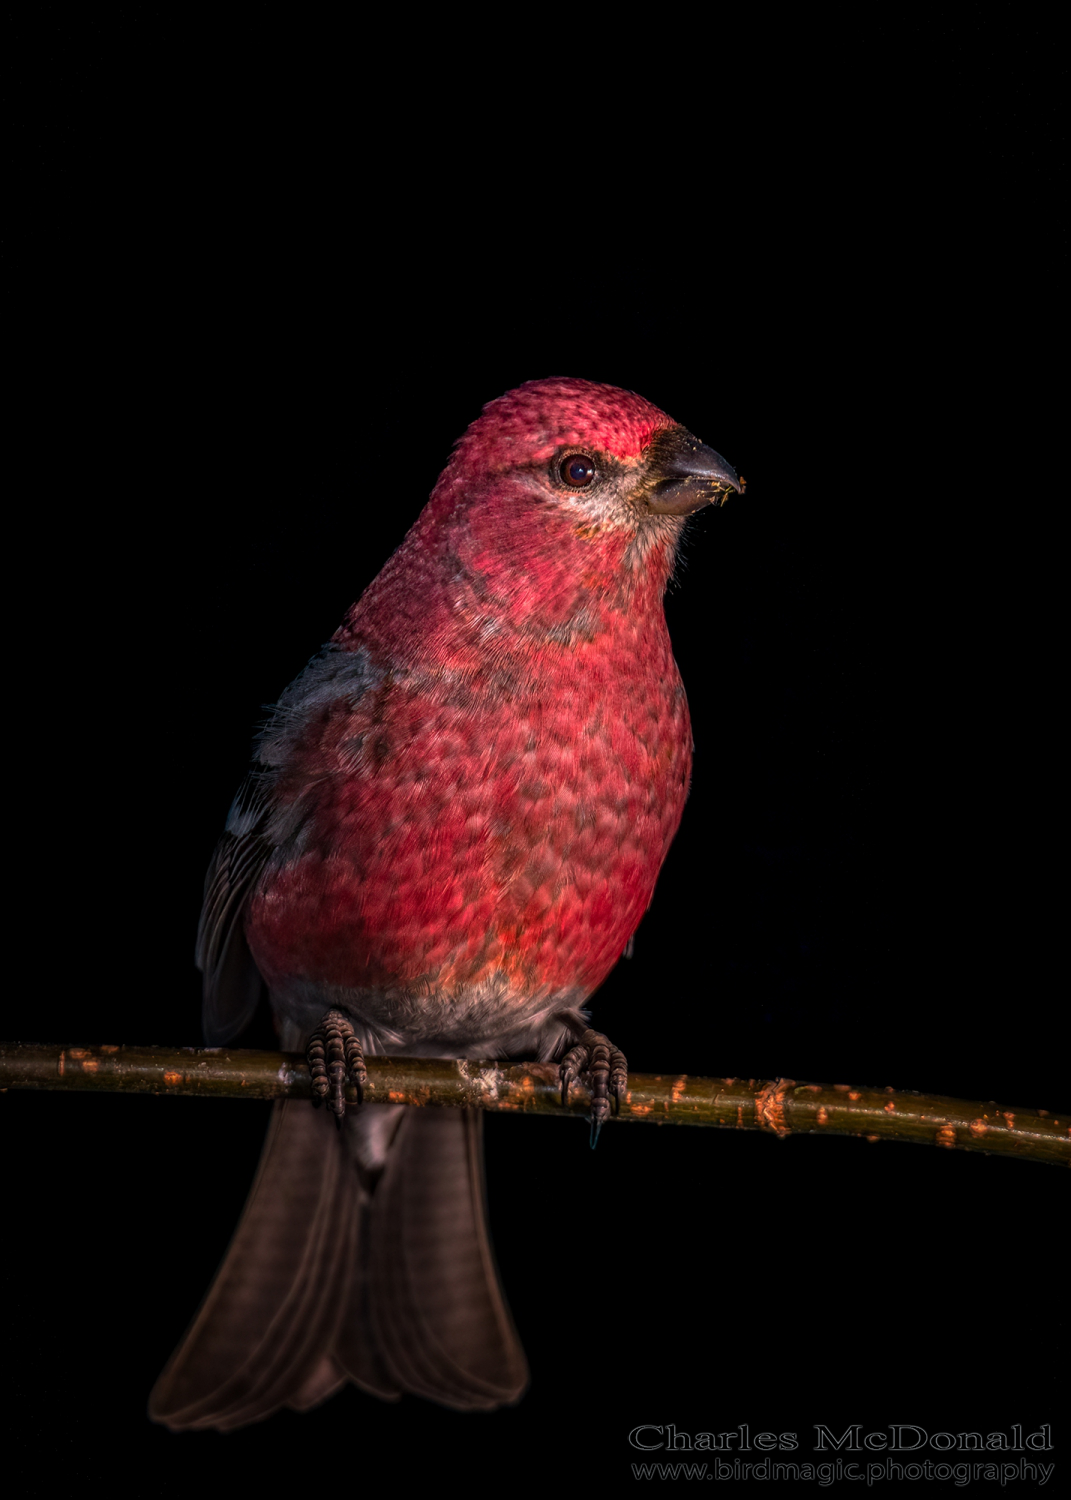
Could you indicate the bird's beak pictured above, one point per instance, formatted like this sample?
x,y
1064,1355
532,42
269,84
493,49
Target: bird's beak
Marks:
x,y
683,475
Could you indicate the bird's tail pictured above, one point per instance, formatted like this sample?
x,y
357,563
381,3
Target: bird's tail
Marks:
x,y
362,1255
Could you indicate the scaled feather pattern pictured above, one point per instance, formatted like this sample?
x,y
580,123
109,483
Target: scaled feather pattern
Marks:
x,y
453,825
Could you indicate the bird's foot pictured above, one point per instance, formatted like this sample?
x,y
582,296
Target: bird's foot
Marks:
x,y
607,1072
334,1055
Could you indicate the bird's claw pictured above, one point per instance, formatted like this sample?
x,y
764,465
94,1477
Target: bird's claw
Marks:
x,y
607,1071
334,1055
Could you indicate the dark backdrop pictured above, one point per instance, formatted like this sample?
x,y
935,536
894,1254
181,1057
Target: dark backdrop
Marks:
x,y
248,360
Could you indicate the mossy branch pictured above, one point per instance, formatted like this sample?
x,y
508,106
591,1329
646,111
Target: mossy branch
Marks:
x,y
780,1106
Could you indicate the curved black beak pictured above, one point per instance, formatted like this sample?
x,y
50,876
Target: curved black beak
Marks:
x,y
684,475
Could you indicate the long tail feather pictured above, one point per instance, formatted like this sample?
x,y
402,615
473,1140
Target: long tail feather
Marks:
x,y
370,1263
276,1283
439,1316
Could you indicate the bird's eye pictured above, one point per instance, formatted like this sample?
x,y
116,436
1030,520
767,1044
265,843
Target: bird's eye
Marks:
x,y
578,469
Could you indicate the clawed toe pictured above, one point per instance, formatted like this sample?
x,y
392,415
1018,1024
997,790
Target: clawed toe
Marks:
x,y
334,1056
607,1071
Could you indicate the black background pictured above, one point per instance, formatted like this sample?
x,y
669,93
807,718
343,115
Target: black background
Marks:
x,y
263,297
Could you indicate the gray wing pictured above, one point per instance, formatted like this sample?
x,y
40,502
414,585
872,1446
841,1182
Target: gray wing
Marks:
x,y
232,982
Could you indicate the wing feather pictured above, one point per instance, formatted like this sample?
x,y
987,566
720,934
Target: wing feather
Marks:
x,y
232,981
255,830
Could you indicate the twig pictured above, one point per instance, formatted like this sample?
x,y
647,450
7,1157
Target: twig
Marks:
x,y
780,1106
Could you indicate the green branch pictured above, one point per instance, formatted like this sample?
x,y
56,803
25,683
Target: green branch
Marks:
x,y
781,1107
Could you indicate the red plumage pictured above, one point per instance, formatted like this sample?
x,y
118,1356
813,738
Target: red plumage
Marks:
x,y
455,824
501,801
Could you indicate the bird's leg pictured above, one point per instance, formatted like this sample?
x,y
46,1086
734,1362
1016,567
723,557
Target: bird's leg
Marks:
x,y
606,1068
334,1054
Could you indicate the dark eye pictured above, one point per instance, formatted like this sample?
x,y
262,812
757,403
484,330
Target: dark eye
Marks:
x,y
577,469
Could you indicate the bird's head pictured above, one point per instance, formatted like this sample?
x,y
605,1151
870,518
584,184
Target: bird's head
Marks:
x,y
605,456
556,520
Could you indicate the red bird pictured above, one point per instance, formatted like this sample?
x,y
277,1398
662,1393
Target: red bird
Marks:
x,y
454,824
